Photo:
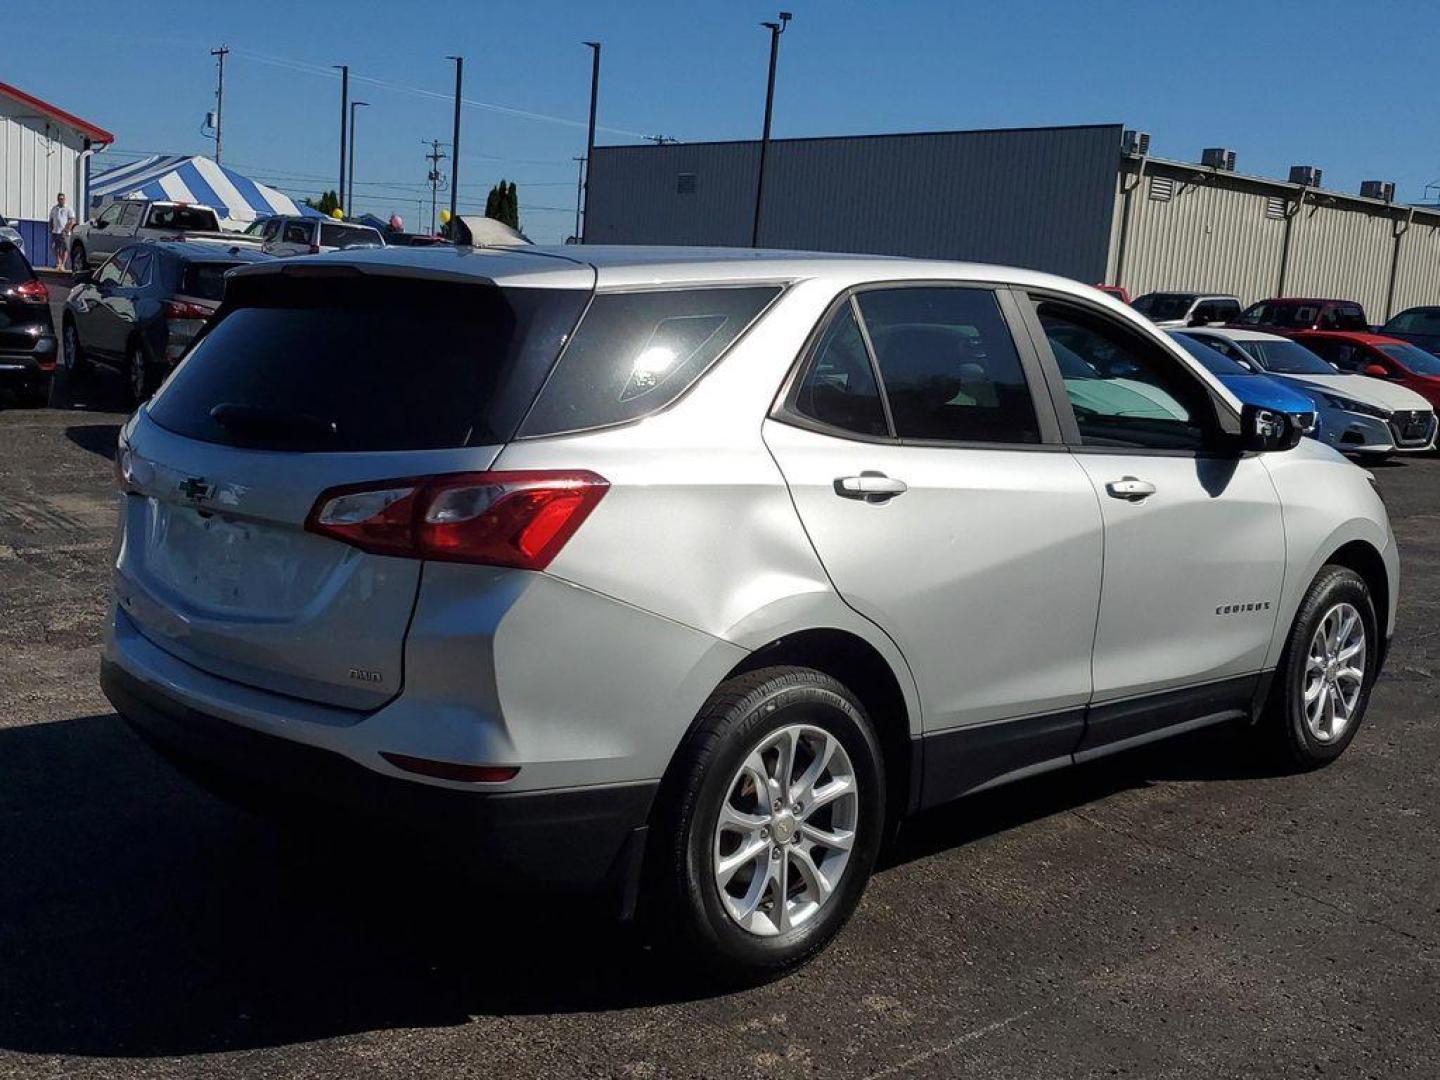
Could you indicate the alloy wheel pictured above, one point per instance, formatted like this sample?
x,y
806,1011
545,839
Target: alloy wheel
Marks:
x,y
71,347
136,372
1334,672
786,829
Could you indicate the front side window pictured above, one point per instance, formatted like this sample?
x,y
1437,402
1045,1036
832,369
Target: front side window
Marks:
x,y
130,216
111,272
839,388
949,366
297,232
138,272
1342,354
110,214
1257,314
636,352
1125,391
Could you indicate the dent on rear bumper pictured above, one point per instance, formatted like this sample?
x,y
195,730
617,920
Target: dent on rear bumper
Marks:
x,y
501,667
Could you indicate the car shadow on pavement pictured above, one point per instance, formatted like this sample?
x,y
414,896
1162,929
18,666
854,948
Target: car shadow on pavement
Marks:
x,y
142,917
96,438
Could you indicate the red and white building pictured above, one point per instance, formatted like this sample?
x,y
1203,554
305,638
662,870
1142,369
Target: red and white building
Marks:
x,y
43,150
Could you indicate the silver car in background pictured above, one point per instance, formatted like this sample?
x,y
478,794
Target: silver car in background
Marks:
x,y
1358,415
678,577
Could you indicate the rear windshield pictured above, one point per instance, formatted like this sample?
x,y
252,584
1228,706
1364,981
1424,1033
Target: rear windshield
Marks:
x,y
182,217
1159,306
349,364
206,280
13,266
347,236
636,352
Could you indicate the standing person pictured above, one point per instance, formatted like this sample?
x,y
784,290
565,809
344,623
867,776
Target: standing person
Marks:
x,y
62,221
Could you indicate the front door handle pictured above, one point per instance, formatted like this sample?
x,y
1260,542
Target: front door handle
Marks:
x,y
872,487
1130,489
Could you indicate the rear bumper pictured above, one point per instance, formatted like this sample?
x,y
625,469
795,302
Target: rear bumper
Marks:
x,y
571,838
32,364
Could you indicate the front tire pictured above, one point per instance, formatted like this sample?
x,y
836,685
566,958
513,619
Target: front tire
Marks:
x,y
1322,687
769,823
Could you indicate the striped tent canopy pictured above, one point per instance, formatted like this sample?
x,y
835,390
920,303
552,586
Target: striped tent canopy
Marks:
x,y
183,178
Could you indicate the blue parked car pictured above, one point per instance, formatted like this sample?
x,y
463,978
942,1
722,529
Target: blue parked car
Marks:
x,y
1251,387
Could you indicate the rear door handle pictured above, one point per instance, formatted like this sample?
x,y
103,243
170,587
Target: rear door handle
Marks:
x,y
872,487
1130,489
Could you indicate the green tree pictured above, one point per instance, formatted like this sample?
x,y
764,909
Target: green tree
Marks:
x,y
503,204
512,207
327,203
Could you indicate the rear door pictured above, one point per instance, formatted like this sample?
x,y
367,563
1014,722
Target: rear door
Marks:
x,y
933,484
1194,543
321,387
121,320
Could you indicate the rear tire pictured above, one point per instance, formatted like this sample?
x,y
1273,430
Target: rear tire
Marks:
x,y
1322,687
139,375
77,259
752,880
72,357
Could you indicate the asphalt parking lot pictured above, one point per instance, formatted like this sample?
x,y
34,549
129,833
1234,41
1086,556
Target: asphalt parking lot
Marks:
x,y
1179,911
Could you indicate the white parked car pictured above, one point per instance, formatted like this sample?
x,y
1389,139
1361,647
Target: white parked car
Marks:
x,y
287,235
687,574
1171,310
1370,418
9,232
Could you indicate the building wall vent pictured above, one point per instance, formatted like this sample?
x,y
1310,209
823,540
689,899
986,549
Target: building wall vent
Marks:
x,y
1162,188
1135,143
1275,208
1217,157
1378,189
1305,175
685,183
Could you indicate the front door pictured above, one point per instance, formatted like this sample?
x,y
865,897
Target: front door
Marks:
x,y
946,510
1194,542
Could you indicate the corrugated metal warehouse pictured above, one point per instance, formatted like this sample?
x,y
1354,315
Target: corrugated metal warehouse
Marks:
x,y
43,150
1084,201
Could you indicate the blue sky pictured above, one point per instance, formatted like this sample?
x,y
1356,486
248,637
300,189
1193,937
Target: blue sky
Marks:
x,y
1348,87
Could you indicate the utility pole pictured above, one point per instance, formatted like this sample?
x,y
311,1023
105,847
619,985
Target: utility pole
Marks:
x,y
348,201
776,29
435,177
455,141
594,47
344,111
219,55
579,193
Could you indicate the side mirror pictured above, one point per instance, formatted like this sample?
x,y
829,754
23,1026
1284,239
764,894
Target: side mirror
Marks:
x,y
98,224
1375,371
1263,430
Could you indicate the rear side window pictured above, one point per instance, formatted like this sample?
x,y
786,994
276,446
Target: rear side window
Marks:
x,y
839,388
368,365
205,280
636,352
13,266
949,366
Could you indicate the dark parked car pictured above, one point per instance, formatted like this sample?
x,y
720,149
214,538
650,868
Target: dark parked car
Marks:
x,y
141,309
1297,314
27,333
1417,325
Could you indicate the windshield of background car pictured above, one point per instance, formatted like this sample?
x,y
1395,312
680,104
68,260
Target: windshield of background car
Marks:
x,y
1286,358
379,364
182,217
1413,358
1415,321
348,236
1160,306
1212,361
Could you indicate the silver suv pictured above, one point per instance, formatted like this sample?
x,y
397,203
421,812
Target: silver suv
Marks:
x,y
682,576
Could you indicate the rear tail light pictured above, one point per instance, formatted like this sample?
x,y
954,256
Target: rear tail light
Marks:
x,y
32,291
519,519
181,309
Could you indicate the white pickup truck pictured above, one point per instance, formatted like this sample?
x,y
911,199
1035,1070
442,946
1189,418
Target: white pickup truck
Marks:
x,y
127,220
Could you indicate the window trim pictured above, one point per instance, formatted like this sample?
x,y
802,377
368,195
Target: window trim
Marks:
x,y
1051,431
1227,421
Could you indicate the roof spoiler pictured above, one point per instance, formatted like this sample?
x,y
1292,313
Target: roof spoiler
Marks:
x,y
471,230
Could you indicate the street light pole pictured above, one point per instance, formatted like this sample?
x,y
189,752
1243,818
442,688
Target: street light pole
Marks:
x,y
350,199
776,29
455,141
594,47
344,113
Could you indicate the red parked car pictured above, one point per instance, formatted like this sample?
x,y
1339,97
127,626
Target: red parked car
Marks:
x,y
1117,291
1293,315
1386,358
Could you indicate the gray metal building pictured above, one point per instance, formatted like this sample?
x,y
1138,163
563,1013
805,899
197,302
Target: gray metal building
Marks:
x,y
1084,201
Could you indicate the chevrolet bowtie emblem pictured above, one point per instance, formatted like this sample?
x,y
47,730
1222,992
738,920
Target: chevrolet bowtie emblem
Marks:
x,y
196,489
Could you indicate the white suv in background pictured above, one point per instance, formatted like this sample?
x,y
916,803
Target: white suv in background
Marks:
x,y
679,576
1171,310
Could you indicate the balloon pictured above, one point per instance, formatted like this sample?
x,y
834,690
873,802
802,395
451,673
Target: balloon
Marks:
x,y
444,217
397,223
338,214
